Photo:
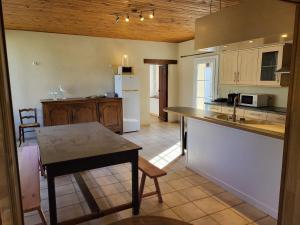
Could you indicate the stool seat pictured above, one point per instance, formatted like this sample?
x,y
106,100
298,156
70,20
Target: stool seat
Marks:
x,y
28,125
149,169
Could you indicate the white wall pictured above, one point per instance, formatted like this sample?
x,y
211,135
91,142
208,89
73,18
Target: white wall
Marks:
x,y
186,79
80,64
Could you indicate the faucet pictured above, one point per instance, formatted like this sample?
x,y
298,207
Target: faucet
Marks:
x,y
235,103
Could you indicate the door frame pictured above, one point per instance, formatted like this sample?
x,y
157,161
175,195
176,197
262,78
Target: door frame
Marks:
x,y
161,62
290,186
8,149
165,117
213,58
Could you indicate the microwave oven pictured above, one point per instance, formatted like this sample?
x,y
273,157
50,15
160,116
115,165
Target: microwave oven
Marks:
x,y
255,100
125,70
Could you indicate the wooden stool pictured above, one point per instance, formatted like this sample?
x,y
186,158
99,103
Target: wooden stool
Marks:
x,y
30,180
153,172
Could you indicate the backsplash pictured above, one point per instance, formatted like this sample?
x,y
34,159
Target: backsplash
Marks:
x,y
280,94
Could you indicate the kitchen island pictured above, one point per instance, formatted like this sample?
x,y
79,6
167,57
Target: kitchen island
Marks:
x,y
244,157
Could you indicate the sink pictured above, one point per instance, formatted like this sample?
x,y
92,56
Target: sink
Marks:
x,y
242,120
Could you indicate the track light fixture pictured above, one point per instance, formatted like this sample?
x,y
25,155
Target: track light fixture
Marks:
x,y
134,13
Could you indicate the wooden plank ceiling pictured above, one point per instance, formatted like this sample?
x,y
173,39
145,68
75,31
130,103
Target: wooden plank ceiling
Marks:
x,y
174,20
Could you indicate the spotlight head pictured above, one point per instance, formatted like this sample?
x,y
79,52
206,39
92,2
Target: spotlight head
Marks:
x,y
117,19
141,17
151,15
127,18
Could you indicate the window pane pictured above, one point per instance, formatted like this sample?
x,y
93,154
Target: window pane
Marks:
x,y
200,89
201,71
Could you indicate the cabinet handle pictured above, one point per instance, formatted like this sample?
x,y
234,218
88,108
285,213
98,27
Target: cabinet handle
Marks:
x,y
234,79
238,76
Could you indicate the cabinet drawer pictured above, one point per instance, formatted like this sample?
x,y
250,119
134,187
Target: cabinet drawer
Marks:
x,y
277,118
214,108
229,110
256,115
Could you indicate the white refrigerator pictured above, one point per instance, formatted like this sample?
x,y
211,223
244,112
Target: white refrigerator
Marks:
x,y
127,87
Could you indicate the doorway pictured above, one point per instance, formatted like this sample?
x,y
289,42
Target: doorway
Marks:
x,y
159,91
205,81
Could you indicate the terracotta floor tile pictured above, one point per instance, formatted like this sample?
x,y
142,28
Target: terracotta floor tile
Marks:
x,y
229,217
180,184
193,193
69,212
151,205
249,212
209,205
174,199
211,188
112,189
265,221
196,179
188,212
228,199
167,213
207,220
105,180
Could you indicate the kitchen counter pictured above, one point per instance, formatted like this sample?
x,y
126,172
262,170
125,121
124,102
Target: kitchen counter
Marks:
x,y
274,130
244,159
271,109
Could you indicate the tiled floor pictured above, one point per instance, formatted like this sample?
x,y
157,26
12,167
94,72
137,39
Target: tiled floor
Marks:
x,y
187,196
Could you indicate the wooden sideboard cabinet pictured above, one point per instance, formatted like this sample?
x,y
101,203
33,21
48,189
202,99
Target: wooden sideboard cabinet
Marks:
x,y
107,111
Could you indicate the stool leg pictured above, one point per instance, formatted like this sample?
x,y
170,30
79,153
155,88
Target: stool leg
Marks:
x,y
158,190
42,216
142,186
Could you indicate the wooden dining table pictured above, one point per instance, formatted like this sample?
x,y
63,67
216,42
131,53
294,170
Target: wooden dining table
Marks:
x,y
71,149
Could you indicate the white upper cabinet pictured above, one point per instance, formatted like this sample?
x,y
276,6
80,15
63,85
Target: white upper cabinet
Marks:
x,y
228,67
256,66
270,60
247,67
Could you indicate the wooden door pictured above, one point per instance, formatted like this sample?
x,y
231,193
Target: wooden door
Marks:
x,y
57,114
84,112
247,67
163,92
228,67
111,115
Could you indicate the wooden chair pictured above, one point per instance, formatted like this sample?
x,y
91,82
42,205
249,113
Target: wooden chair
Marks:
x,y
30,180
31,115
152,172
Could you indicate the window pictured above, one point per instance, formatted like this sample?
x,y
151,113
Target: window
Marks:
x,y
206,80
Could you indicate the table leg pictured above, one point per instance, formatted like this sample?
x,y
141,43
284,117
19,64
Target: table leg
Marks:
x,y
182,133
52,200
135,186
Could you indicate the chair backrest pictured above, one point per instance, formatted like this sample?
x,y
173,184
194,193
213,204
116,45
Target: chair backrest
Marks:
x,y
28,114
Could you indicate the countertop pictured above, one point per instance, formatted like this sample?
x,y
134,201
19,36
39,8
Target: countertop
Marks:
x,y
274,130
271,109
76,99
